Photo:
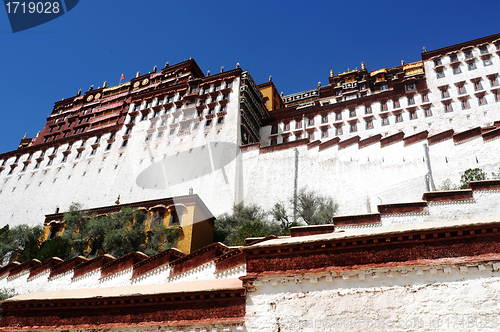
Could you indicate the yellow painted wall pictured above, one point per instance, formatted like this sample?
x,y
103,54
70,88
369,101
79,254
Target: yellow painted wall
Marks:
x,y
272,96
203,231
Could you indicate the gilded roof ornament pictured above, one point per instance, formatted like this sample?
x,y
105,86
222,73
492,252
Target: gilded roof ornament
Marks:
x,y
363,66
331,72
105,84
138,74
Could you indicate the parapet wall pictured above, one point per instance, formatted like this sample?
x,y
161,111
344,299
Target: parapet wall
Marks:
x,y
215,261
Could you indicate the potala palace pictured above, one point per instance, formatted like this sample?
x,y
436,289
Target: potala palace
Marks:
x,y
184,145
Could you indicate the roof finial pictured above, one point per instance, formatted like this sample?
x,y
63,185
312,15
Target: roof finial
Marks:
x,y
238,65
221,69
402,62
270,78
424,49
331,72
208,72
319,84
26,134
363,66
166,65
79,93
105,84
117,202
37,134
91,87
154,69
138,74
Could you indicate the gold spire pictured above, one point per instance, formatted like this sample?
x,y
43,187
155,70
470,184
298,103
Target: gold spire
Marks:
x,y
26,134
363,66
331,72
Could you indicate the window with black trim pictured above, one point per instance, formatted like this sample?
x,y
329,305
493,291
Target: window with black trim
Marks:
x,y
427,111
369,124
487,61
465,104
461,89
471,65
175,217
448,107
481,100
383,106
478,86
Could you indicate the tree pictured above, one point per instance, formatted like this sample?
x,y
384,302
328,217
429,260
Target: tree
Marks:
x,y
227,227
472,174
315,209
56,247
250,229
448,185
160,238
279,214
20,243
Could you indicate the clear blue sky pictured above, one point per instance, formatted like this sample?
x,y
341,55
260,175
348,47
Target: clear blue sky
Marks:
x,y
297,42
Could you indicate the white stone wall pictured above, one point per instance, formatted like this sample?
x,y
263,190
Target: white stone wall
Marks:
x,y
424,298
360,179
202,272
93,181
155,276
21,284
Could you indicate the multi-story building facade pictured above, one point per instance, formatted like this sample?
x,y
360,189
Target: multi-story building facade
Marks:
x,y
160,133
176,131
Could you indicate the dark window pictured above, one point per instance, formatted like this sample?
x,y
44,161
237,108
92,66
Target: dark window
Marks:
x,y
274,129
175,218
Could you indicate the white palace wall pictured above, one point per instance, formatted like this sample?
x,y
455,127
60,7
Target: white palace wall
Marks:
x,y
426,298
361,179
165,166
